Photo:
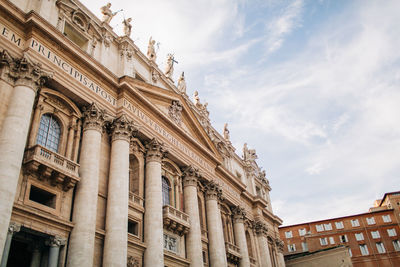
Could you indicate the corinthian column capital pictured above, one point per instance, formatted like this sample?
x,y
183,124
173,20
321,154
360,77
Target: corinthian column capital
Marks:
x,y
213,191
93,118
55,241
190,176
14,228
155,151
238,214
260,228
122,128
24,71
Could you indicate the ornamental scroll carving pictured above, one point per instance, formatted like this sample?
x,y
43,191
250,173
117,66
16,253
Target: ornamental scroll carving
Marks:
x,y
94,118
175,111
239,214
190,176
122,128
155,151
23,71
260,228
55,241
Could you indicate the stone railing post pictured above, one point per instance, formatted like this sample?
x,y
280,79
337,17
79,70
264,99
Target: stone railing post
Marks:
x,y
153,217
81,242
194,245
261,232
214,223
116,239
240,236
27,77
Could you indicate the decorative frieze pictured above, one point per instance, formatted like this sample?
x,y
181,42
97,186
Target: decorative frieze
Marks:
x,y
213,191
239,214
93,118
122,128
190,176
155,151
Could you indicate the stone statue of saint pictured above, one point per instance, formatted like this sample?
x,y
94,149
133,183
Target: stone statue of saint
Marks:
x,y
182,83
107,13
226,132
151,51
169,70
196,99
127,26
245,151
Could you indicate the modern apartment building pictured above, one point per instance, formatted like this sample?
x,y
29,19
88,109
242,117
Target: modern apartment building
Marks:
x,y
372,238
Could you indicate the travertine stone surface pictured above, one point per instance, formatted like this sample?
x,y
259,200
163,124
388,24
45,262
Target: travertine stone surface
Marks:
x,y
261,231
81,244
193,243
115,245
240,235
153,220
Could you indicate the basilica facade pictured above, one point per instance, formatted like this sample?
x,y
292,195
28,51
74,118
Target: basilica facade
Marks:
x,y
105,160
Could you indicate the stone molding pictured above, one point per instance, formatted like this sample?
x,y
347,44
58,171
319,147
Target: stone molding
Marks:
x,y
132,262
155,151
56,241
122,128
239,214
190,176
14,228
23,71
213,191
93,118
260,228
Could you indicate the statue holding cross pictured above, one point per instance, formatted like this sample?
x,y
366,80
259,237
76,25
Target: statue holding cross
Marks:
x,y
169,70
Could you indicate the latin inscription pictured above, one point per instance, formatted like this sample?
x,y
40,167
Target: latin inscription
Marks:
x,y
11,36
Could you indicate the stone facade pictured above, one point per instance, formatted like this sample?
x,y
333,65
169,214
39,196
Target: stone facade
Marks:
x,y
106,162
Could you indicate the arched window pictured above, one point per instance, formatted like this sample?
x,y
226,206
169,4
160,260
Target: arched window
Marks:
x,y
49,132
165,191
249,246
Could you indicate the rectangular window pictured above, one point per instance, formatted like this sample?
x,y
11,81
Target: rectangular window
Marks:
x,y
355,223
380,247
319,227
323,241
375,234
359,236
386,218
43,197
327,226
343,239
396,245
133,228
302,232
391,232
331,240
304,246
291,248
364,250
371,220
339,225
288,234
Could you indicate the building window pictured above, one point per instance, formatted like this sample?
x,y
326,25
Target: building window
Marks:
x,y
371,220
380,247
396,245
49,132
319,227
328,226
339,225
359,236
350,253
355,223
375,234
302,232
364,249
288,234
304,246
170,243
323,241
133,228
43,197
165,191
343,239
386,218
391,232
331,240
291,248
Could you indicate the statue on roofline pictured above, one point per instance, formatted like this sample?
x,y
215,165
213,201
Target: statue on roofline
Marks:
x,y
182,83
107,13
151,51
127,26
226,132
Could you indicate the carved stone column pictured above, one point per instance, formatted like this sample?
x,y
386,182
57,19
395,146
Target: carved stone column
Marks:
x,y
54,243
36,255
281,259
12,228
194,245
27,77
116,239
261,232
240,236
153,219
81,242
214,223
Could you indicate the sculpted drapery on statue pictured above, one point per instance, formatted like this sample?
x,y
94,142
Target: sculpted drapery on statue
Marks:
x,y
182,83
169,70
127,26
226,132
107,13
151,51
239,214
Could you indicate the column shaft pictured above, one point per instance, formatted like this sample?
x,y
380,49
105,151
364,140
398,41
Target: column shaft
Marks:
x,y
54,252
35,261
217,250
240,237
7,246
265,260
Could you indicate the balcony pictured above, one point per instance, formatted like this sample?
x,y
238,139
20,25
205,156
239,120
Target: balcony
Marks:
x,y
175,220
50,165
232,253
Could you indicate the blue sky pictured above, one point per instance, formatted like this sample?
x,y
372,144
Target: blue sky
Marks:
x,y
313,86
